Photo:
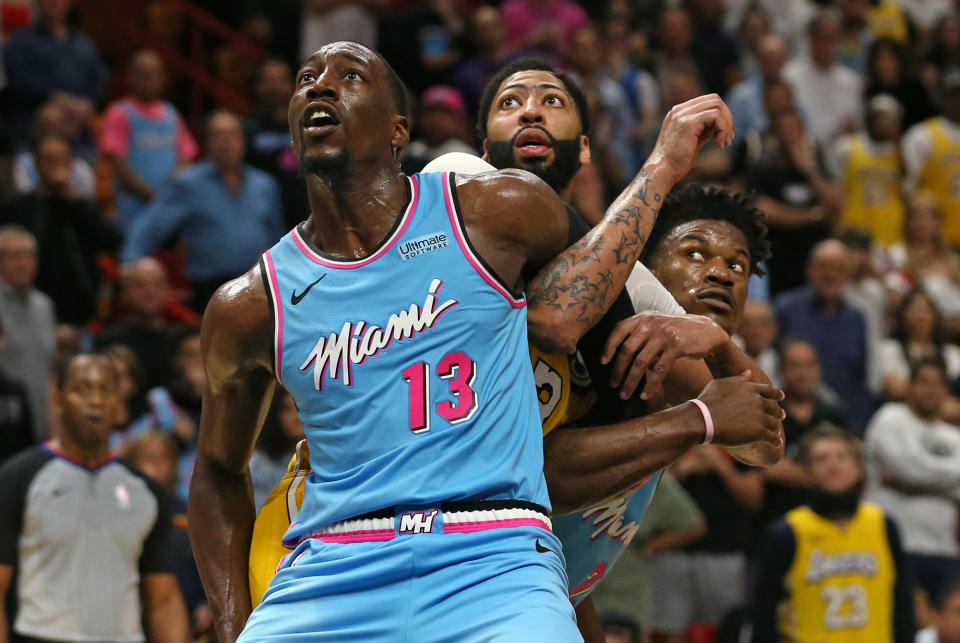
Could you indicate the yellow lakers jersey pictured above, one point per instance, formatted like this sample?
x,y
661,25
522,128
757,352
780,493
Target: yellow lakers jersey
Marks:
x,y
272,522
941,178
840,585
565,395
872,198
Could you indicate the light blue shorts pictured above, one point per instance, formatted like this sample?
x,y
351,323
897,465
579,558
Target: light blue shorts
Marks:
x,y
502,584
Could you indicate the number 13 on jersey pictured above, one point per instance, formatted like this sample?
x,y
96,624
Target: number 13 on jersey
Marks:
x,y
458,372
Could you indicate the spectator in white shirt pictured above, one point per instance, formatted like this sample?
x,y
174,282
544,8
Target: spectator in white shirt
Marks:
x,y
913,472
827,93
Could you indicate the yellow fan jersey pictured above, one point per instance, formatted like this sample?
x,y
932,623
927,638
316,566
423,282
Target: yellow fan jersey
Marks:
x,y
565,395
941,178
872,197
840,586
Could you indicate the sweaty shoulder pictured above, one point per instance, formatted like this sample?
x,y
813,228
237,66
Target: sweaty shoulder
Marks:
x,y
515,208
237,327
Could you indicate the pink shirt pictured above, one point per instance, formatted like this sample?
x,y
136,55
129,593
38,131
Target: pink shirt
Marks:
x,y
521,17
115,134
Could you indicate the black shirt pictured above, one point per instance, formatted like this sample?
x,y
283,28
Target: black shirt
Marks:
x,y
16,423
70,233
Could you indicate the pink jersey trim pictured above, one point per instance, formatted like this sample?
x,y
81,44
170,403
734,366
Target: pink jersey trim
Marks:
x,y
468,253
481,525
349,265
366,536
277,315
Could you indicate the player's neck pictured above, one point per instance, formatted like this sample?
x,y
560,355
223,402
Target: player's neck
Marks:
x,y
351,213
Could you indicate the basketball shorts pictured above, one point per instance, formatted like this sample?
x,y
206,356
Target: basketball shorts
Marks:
x,y
433,574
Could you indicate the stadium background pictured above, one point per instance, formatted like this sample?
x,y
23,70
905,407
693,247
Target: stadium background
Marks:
x,y
815,145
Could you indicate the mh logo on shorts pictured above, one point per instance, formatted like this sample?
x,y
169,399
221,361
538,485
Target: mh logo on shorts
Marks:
x,y
417,522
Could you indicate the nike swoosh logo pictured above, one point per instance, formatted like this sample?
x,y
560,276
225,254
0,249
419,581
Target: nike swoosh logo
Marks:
x,y
296,299
541,548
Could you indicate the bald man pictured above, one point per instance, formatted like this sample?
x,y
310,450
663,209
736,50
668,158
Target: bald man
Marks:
x,y
818,313
145,330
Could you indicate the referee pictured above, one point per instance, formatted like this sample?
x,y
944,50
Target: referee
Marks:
x,y
84,538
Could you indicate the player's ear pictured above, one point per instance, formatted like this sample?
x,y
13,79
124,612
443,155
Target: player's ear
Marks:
x,y
584,149
401,132
485,156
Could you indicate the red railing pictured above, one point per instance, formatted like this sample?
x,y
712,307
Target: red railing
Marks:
x,y
201,29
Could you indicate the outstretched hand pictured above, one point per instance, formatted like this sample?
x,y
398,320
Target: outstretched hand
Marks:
x,y
686,128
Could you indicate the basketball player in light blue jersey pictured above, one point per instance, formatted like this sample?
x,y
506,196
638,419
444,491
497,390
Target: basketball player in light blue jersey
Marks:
x,y
396,316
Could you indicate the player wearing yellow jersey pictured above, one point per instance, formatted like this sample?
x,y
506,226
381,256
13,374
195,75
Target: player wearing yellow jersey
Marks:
x,y
868,164
931,157
832,570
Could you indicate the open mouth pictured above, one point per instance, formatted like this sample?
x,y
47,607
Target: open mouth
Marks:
x,y
533,142
319,120
716,298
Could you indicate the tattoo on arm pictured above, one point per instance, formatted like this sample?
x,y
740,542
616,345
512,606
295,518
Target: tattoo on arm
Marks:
x,y
583,281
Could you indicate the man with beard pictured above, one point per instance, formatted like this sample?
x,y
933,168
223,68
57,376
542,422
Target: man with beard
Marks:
x,y
833,569
621,456
404,433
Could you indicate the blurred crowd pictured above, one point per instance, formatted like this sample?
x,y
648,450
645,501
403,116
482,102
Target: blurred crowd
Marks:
x,y
121,213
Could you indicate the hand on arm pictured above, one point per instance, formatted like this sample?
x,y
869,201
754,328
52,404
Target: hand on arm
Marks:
x,y
585,466
166,612
236,335
573,291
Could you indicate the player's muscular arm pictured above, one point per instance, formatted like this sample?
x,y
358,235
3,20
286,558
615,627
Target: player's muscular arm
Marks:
x,y
573,288
586,466
236,334
640,345
573,291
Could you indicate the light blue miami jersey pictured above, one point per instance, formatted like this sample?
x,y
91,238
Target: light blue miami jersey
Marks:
x,y
410,369
594,539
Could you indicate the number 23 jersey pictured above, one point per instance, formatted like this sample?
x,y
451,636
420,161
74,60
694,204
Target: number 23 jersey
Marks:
x,y
409,368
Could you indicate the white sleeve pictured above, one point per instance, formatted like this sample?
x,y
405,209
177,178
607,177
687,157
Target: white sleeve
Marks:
x,y
647,293
917,146
894,441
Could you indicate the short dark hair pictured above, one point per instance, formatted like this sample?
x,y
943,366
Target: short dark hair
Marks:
x,y
827,431
790,341
927,362
532,64
399,90
692,202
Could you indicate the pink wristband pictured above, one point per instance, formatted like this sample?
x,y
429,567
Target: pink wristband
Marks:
x,y
707,420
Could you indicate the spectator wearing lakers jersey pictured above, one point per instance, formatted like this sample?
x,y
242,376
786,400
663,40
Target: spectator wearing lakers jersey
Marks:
x,y
144,137
832,570
931,157
77,580
913,472
867,165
